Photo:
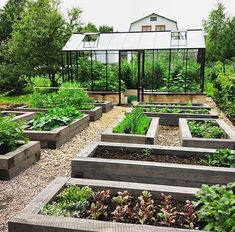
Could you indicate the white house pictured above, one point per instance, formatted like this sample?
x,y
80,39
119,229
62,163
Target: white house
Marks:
x,y
154,22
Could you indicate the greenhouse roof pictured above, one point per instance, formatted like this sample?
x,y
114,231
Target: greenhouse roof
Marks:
x,y
131,41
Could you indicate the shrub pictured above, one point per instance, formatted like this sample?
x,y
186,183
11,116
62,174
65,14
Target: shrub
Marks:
x,y
54,118
134,123
11,133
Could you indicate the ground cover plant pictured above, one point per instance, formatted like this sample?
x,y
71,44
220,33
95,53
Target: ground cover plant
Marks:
x,y
133,123
54,118
83,202
11,133
177,110
206,129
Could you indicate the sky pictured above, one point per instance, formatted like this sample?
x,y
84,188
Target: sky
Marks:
x,y
120,13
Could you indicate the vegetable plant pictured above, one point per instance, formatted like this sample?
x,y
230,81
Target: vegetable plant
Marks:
x,y
134,123
11,133
177,110
216,207
206,129
54,118
222,158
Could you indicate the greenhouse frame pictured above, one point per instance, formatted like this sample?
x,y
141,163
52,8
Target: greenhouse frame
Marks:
x,y
161,61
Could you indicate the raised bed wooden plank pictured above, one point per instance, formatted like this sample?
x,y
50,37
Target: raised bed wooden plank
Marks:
x,y
150,138
172,105
94,114
12,163
57,137
19,116
187,140
30,219
106,105
172,119
84,165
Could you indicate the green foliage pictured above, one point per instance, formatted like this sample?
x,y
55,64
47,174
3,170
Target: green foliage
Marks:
x,y
134,123
73,201
206,129
11,79
217,207
54,118
11,133
69,94
222,158
105,28
37,39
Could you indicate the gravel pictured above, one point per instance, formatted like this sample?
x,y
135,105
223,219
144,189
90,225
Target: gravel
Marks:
x,y
18,192
168,136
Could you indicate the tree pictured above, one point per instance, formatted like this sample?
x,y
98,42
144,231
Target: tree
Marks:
x,y
105,28
74,18
90,27
38,38
10,13
214,27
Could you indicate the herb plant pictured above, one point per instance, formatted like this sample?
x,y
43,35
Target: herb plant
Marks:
x,y
11,133
177,110
222,158
54,118
206,129
217,207
134,123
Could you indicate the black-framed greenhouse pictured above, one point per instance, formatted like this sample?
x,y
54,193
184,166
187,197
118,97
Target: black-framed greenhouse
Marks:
x,y
163,61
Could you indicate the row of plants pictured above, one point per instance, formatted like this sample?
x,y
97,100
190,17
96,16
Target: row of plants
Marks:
x,y
212,209
55,118
206,129
69,94
134,123
176,110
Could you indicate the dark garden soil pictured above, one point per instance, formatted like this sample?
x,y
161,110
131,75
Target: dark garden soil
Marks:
x,y
145,155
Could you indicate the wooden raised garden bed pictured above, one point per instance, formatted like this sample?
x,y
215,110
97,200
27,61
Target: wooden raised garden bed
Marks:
x,y
19,116
30,218
150,138
12,163
171,105
127,162
187,140
94,114
172,119
106,105
57,137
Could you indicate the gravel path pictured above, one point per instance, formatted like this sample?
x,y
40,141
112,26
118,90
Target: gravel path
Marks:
x,y
17,193
168,136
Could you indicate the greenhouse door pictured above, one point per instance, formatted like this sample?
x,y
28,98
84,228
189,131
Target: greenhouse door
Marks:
x,y
140,87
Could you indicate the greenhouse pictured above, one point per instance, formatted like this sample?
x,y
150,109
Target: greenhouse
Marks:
x,y
163,61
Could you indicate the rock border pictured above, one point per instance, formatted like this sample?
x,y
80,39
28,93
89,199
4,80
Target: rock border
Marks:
x,y
187,140
14,162
30,219
149,138
84,165
55,138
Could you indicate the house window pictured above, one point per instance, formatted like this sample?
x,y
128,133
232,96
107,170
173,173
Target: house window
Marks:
x,y
147,28
160,28
153,18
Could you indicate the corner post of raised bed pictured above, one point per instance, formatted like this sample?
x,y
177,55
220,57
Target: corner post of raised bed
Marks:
x,y
119,76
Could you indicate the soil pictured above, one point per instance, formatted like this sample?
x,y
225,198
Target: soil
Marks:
x,y
168,136
145,155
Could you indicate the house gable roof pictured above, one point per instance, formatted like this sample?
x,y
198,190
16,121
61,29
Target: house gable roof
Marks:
x,y
153,14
